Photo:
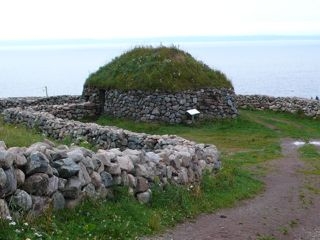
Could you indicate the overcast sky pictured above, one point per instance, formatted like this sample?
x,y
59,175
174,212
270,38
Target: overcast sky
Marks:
x,y
100,19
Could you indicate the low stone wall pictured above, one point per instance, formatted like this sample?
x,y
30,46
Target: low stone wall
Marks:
x,y
34,101
69,111
42,175
164,107
31,178
310,108
69,107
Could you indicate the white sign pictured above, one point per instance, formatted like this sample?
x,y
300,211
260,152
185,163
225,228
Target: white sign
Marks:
x,y
193,112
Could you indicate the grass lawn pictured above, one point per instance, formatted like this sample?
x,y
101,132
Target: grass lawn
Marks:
x,y
245,143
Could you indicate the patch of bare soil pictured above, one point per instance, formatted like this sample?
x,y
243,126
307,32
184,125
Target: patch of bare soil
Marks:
x,y
289,208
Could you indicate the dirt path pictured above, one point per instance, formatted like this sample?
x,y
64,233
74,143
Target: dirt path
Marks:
x,y
288,209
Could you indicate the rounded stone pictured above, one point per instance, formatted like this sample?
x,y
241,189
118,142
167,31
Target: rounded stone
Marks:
x,y
21,200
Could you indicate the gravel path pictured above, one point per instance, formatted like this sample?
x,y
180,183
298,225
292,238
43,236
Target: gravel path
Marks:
x,y
289,208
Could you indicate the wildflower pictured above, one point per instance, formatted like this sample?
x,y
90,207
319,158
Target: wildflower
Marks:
x,y
18,231
13,223
26,224
9,218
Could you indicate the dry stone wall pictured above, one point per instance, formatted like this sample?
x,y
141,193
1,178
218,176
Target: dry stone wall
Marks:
x,y
70,107
32,178
35,101
164,107
307,107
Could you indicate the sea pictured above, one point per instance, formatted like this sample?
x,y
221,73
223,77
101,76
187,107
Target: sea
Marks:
x,y
266,65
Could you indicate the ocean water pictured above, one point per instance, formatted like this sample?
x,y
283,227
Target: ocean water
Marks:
x,y
275,67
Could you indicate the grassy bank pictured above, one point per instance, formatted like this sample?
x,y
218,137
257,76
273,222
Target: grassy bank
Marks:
x,y
245,144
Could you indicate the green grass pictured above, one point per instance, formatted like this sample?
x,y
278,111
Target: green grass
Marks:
x,y
162,68
18,136
311,155
245,143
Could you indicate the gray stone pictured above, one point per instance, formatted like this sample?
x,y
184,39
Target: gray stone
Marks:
x,y
144,197
58,201
175,162
38,147
36,184
106,157
4,210
83,175
114,169
142,171
20,161
116,151
37,163
59,154
155,111
88,163
21,200
20,176
125,163
151,156
66,167
183,176
10,185
142,185
76,155
72,188
124,178
90,191
62,183
6,159
185,158
96,179
136,156
3,178
97,164
53,185
106,179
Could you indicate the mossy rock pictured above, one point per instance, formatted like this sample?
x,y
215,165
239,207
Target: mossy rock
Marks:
x,y
162,68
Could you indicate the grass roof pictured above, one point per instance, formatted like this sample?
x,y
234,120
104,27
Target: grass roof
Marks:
x,y
160,68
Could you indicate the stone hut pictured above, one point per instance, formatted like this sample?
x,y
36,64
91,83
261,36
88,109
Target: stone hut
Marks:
x,y
160,85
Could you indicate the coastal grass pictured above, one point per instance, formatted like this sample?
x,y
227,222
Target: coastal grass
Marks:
x,y
245,142
311,155
161,68
18,136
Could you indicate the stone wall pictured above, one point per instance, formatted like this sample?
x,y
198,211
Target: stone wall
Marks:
x,y
42,175
32,178
69,107
69,110
307,107
164,107
34,101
